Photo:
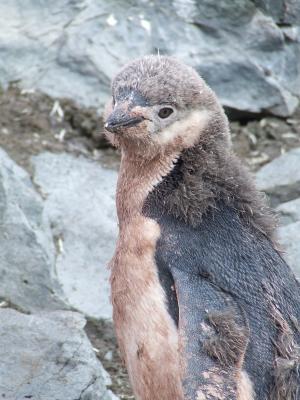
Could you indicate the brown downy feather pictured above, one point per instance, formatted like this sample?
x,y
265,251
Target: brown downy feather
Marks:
x,y
287,364
229,343
287,358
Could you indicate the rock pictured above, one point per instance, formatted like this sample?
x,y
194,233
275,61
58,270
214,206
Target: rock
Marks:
x,y
289,237
27,262
289,212
280,179
247,50
283,11
48,356
80,205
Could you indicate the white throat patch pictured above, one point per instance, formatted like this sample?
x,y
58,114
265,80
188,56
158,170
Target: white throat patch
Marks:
x,y
188,129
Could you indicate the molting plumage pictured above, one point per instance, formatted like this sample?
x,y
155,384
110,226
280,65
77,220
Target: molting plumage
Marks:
x,y
196,247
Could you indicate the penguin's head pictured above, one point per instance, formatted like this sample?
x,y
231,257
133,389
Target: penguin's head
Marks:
x,y
158,102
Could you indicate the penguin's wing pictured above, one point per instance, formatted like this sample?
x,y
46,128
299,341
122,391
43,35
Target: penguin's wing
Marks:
x,y
212,329
220,272
213,340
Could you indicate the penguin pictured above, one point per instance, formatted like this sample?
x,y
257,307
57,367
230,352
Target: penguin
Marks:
x,y
204,305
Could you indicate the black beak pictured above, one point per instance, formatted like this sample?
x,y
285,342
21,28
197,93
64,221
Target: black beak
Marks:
x,y
119,119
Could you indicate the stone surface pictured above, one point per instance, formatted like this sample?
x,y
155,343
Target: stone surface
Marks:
x,y
289,237
48,356
248,51
27,262
289,212
79,201
280,179
283,11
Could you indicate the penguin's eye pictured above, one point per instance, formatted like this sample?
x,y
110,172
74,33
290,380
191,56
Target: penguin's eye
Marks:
x,y
165,112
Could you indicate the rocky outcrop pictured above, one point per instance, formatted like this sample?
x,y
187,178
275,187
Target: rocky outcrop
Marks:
x,y
289,236
57,237
289,212
27,256
280,179
283,11
248,51
79,202
48,356
289,232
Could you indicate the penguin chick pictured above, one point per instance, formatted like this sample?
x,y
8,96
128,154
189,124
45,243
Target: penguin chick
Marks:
x,y
202,300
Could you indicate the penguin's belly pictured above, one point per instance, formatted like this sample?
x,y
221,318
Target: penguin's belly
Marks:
x,y
146,332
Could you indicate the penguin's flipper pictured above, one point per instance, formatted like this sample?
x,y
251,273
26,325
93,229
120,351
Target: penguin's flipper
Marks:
x,y
213,340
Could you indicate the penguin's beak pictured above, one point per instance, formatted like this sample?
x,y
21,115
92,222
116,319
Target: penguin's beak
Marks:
x,y
121,118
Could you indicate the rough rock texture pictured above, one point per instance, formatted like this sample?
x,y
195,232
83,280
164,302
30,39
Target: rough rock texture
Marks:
x,y
27,263
247,50
289,233
289,236
280,179
79,201
290,212
48,356
283,11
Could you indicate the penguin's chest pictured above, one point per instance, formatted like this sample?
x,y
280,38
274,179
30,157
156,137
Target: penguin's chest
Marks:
x,y
146,332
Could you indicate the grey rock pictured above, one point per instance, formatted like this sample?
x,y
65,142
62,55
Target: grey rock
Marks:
x,y
289,237
289,212
280,179
248,53
80,205
27,263
283,11
48,356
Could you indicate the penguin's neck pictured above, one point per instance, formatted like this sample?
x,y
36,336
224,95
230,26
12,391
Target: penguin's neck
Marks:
x,y
188,184
137,178
191,188
204,177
